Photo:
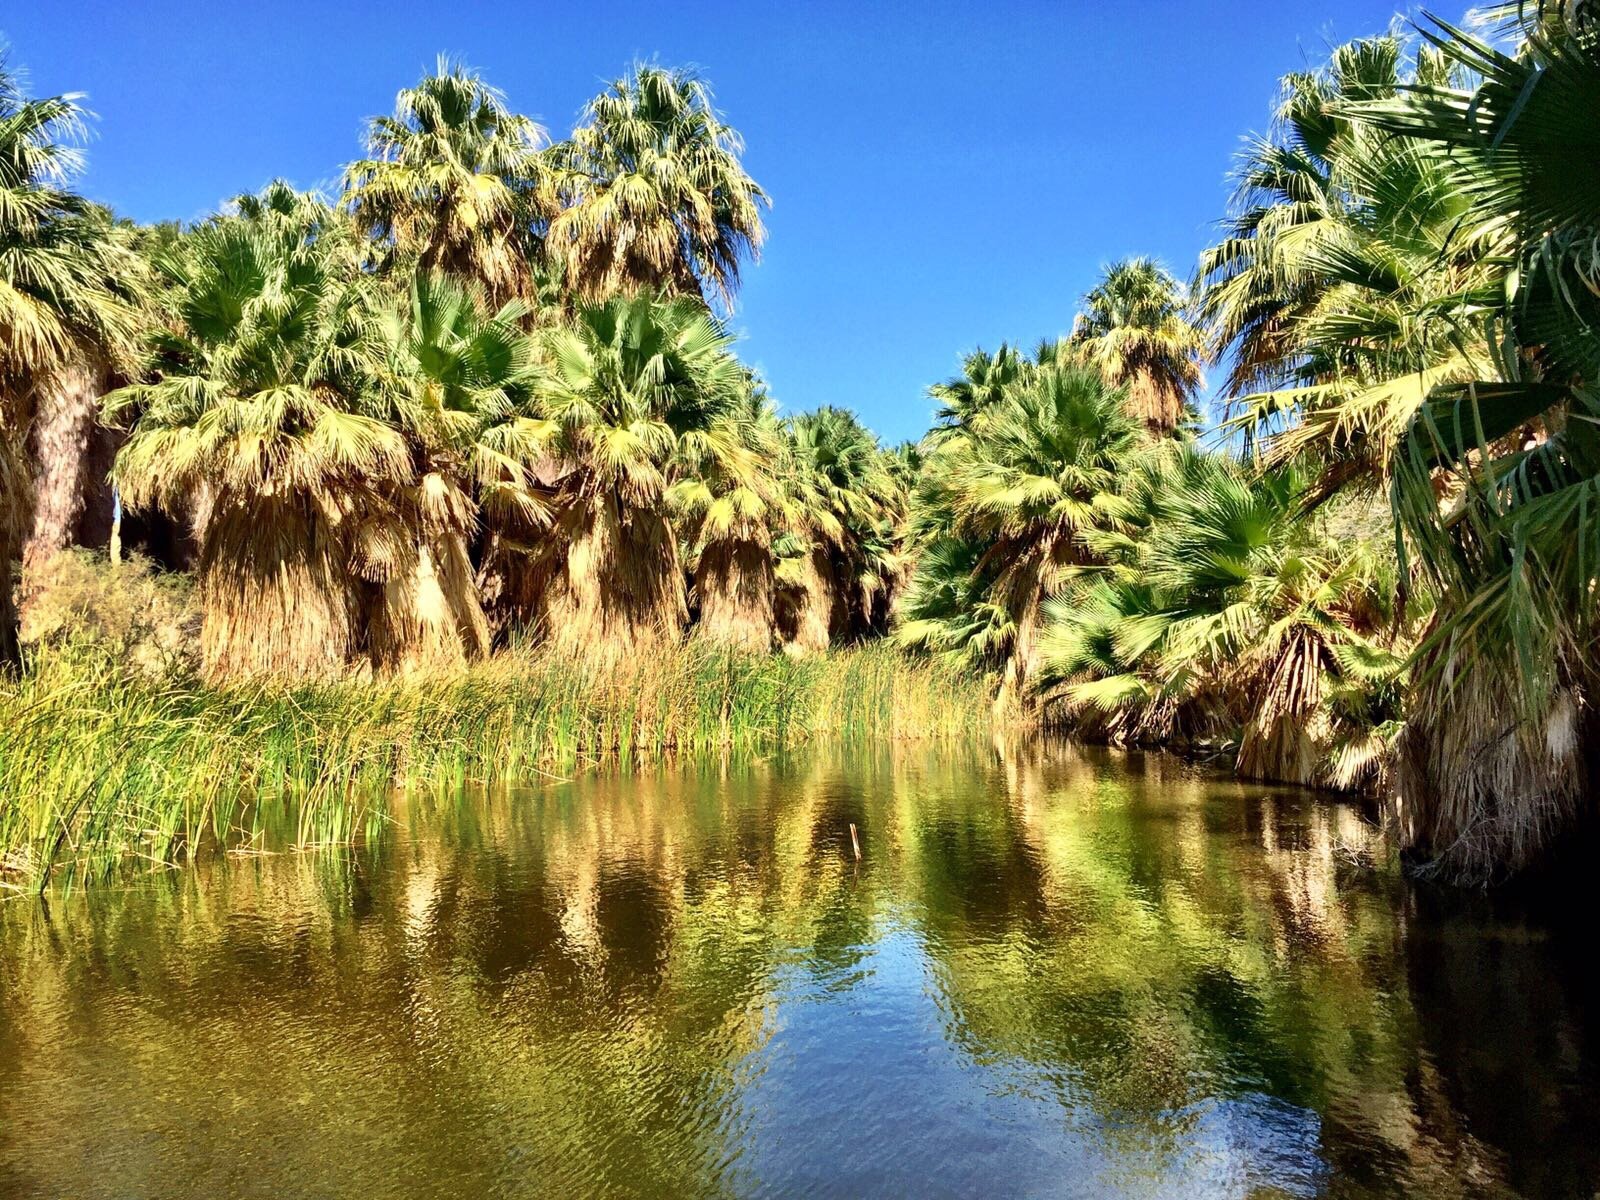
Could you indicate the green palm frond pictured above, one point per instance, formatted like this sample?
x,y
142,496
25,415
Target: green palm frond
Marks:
x,y
70,279
1347,283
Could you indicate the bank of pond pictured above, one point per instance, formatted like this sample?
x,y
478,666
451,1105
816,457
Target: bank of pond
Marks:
x,y
104,769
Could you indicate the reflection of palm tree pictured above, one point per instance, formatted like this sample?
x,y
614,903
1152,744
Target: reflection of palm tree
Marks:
x,y
596,968
1121,960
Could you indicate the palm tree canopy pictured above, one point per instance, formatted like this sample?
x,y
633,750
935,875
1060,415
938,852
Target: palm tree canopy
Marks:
x,y
69,278
1044,459
983,381
1513,554
1135,329
1342,288
845,473
456,180
460,381
268,383
453,365
639,390
847,506
657,198
1234,608
1010,506
739,496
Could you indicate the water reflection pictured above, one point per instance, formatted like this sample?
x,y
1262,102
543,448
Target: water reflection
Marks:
x,y
1052,972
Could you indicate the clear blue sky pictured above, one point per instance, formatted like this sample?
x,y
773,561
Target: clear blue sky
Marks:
x,y
943,174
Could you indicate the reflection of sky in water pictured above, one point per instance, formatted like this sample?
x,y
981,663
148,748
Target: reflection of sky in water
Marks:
x,y
859,1054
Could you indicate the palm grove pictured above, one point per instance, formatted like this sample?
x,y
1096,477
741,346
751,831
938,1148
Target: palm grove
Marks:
x,y
483,399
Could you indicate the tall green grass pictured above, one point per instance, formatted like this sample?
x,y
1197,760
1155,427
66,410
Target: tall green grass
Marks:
x,y
100,766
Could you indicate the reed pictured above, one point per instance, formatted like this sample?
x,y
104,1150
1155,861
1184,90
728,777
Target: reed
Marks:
x,y
101,766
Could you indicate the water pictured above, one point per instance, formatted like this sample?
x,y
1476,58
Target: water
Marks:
x,y
1052,973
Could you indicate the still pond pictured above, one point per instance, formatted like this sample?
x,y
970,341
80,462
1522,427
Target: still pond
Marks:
x,y
1051,972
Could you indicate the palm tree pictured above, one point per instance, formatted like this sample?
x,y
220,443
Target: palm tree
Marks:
x,y
264,400
1495,765
456,182
983,381
656,198
640,393
1411,286
459,383
1135,330
1340,290
1255,283
1236,614
68,293
842,557
1031,481
731,507
948,609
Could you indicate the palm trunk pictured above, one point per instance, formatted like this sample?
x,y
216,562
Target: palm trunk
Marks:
x,y
516,561
1016,695
735,586
886,600
807,607
10,651
16,502
65,421
428,615
848,618
1023,596
277,596
1479,793
510,586
1160,408
619,593
191,528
